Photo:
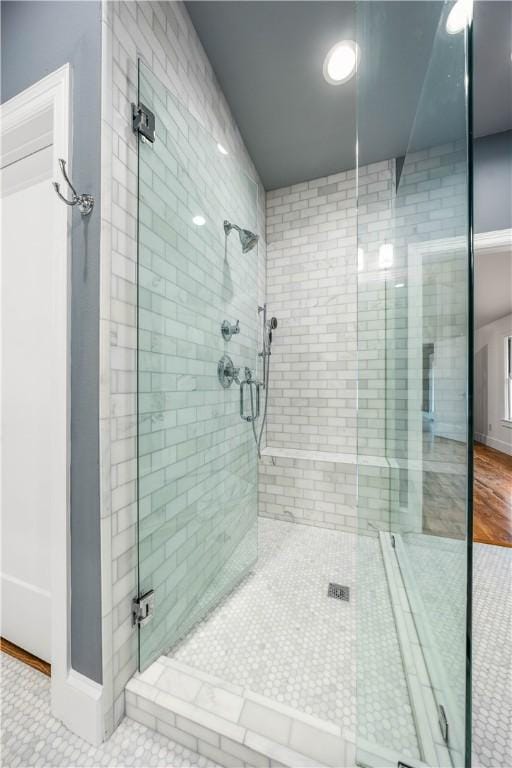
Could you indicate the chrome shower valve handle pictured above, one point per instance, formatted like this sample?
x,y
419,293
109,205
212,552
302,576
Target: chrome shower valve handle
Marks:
x,y
228,330
227,373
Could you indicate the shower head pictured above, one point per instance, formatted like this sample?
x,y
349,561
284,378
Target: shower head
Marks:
x,y
247,238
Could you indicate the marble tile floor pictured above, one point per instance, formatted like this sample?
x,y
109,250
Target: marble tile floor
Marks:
x,y
439,568
492,656
32,737
279,635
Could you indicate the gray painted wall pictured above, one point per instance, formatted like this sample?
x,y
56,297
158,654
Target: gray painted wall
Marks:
x,y
493,182
37,38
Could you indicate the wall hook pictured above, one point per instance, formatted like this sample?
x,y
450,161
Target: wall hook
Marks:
x,y
85,202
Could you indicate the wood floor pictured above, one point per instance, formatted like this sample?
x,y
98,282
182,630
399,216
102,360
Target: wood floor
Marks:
x,y
25,656
492,497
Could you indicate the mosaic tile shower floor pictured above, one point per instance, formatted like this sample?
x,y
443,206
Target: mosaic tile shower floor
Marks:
x,y
439,566
31,736
279,635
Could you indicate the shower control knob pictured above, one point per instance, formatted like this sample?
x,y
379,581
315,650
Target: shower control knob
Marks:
x,y
228,330
227,373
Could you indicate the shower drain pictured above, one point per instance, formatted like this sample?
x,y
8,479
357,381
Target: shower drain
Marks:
x,y
338,591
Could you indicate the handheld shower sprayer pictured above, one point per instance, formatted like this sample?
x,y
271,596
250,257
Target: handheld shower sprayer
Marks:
x,y
268,326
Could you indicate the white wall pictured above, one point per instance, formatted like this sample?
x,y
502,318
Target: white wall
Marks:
x,y
490,385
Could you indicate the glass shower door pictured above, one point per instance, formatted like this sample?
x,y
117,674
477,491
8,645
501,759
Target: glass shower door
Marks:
x,y
414,485
197,464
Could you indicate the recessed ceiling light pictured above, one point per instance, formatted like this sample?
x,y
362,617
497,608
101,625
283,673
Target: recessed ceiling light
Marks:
x,y
222,149
386,255
341,62
400,285
459,16
199,221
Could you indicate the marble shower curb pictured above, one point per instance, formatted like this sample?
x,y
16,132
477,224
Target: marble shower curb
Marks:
x,y
231,725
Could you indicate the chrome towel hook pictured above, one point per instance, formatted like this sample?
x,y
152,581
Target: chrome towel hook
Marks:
x,y
85,202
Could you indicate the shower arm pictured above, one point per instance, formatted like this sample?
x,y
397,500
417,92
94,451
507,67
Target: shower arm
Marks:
x,y
228,227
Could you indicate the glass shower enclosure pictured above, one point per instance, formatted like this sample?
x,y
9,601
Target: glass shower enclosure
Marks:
x,y
199,335
197,467
414,428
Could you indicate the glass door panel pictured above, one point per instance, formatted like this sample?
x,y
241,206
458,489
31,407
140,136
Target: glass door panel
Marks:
x,y
197,464
414,334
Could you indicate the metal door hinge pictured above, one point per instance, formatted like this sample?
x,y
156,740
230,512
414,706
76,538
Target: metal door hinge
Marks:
x,y
143,121
443,722
143,608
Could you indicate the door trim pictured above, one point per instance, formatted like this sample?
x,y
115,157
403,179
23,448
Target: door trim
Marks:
x,y
75,699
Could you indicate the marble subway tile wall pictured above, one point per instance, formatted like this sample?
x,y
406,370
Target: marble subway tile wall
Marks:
x,y
430,310
164,37
331,330
332,282
375,219
197,460
411,295
308,491
312,290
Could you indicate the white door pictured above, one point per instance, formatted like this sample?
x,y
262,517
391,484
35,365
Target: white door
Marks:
x,y
30,353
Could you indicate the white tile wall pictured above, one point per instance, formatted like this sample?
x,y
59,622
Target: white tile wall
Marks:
x,y
163,35
331,331
343,324
308,491
197,460
312,290
430,260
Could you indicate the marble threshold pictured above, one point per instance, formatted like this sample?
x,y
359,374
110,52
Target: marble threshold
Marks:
x,y
236,727
231,725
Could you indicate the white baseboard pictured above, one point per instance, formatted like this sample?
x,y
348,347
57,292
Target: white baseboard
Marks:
x,y
19,601
492,442
77,702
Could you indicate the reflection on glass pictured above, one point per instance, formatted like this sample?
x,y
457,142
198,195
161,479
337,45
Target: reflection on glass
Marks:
x,y
413,388
197,468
